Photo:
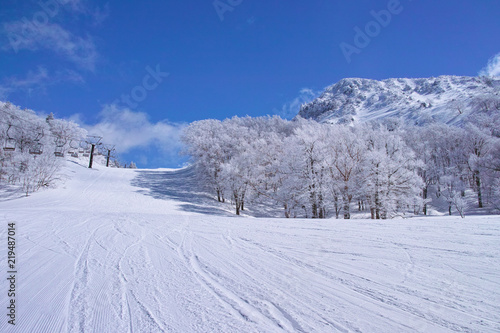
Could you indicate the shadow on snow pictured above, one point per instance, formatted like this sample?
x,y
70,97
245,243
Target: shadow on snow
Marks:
x,y
178,185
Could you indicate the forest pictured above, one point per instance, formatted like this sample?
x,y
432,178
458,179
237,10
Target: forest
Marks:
x,y
320,170
34,147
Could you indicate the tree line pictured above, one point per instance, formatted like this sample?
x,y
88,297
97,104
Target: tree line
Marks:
x,y
32,146
318,170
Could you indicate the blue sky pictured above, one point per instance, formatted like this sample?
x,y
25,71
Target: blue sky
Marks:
x,y
137,71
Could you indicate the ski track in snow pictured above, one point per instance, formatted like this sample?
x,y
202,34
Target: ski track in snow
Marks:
x,y
100,255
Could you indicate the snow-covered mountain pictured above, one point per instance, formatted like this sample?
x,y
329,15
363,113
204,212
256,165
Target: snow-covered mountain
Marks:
x,y
448,99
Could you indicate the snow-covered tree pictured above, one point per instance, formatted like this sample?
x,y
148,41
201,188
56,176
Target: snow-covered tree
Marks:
x,y
345,156
392,181
29,142
312,169
206,144
309,145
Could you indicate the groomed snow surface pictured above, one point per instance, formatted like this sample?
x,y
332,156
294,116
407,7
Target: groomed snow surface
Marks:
x,y
112,251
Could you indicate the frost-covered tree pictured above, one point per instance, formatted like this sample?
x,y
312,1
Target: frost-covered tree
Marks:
x,y
28,145
392,181
65,134
39,172
206,143
276,177
309,145
435,145
477,146
312,169
237,172
345,156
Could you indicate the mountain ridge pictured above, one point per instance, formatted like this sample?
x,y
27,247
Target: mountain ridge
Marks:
x,y
447,98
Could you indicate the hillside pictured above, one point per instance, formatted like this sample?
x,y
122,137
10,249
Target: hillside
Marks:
x,y
122,250
446,99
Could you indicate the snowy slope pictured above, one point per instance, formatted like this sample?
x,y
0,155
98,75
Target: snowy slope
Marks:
x,y
110,251
447,99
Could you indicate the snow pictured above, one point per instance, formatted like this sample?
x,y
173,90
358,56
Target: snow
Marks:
x,y
109,251
416,101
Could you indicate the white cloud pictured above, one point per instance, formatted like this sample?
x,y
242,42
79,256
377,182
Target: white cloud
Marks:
x,y
492,68
96,14
99,15
37,80
31,80
292,108
129,130
75,5
23,34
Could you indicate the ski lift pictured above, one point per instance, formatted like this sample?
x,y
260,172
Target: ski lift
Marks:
x,y
59,151
81,148
73,149
10,143
86,150
37,147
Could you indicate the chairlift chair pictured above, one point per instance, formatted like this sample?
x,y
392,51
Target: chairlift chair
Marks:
x,y
73,149
59,152
86,154
60,143
36,149
74,154
10,144
83,146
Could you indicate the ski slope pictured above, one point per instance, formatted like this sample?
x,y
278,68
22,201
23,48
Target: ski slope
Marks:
x,y
120,250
